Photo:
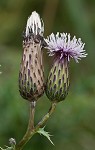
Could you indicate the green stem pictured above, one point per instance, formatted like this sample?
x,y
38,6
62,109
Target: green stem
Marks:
x,y
31,129
46,117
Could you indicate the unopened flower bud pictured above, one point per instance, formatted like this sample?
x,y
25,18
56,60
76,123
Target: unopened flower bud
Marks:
x,y
58,81
31,76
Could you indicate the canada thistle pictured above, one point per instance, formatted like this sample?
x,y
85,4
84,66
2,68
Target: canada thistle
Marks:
x,y
31,76
63,48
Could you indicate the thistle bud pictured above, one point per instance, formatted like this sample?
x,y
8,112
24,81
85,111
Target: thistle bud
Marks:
x,y
58,81
63,50
31,75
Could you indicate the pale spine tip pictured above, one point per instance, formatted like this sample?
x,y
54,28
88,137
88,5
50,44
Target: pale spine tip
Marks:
x,y
34,24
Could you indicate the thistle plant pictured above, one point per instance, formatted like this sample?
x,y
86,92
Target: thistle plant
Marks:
x,y
31,75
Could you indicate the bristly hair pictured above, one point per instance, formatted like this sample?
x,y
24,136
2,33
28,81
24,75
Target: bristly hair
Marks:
x,y
34,29
61,44
34,25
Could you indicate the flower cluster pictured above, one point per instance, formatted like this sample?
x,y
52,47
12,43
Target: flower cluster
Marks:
x,y
61,46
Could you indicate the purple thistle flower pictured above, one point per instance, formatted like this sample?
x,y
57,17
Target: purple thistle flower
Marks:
x,y
63,48
61,44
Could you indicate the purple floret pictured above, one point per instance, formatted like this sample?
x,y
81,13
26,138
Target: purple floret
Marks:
x,y
62,45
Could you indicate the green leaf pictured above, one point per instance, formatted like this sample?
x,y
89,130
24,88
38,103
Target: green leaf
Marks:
x,y
41,131
12,142
7,148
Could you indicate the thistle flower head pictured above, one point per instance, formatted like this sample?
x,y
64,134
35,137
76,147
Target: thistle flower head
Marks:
x,y
31,75
63,46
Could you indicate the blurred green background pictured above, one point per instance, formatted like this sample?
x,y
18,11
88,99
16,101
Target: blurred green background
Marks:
x,y
73,123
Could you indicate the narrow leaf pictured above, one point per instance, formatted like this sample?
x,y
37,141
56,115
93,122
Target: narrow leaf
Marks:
x,y
7,148
41,131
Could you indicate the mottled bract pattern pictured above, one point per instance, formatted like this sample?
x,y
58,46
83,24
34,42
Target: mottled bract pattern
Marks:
x,y
63,48
31,76
58,81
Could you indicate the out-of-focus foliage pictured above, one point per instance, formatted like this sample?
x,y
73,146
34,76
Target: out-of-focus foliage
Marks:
x,y
73,123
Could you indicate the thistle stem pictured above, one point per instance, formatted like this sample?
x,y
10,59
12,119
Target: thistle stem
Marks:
x,y
32,112
46,117
31,130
